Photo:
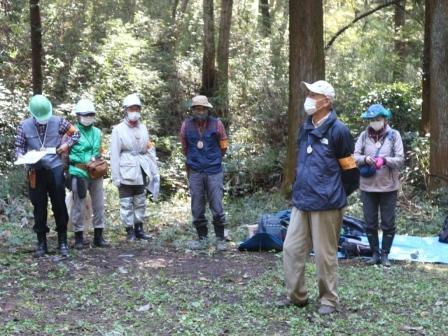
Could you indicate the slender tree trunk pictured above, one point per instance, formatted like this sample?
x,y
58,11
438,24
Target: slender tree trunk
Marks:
x,y
223,61
439,91
265,18
208,58
425,123
36,46
399,44
306,63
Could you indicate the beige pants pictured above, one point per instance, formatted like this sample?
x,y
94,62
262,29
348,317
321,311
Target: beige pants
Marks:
x,y
318,230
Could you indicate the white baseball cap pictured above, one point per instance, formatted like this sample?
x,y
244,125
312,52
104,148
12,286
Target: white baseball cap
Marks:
x,y
321,87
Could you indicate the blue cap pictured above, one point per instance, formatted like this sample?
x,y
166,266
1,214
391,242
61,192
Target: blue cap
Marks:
x,y
376,110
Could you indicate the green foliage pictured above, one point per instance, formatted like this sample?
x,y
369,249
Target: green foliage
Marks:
x,y
404,101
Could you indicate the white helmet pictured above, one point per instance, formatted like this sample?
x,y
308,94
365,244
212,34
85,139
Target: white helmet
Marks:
x,y
84,106
132,99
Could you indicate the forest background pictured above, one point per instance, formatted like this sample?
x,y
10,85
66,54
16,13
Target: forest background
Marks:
x,y
104,50
249,57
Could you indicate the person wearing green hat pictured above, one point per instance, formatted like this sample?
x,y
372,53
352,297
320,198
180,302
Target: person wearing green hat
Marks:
x,y
43,131
379,155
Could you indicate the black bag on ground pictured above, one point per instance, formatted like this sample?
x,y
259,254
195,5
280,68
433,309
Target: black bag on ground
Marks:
x,y
443,235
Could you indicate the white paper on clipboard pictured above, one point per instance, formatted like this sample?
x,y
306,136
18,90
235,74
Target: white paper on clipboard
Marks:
x,y
31,157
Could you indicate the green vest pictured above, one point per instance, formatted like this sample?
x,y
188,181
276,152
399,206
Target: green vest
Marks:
x,y
85,149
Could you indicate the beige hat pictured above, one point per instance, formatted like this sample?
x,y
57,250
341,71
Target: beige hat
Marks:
x,y
321,87
200,100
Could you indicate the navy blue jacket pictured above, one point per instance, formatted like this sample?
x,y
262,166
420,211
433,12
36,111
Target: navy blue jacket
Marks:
x,y
209,158
319,181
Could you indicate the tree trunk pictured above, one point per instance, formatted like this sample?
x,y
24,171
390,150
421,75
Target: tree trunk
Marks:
x,y
439,89
425,123
306,63
399,44
265,18
208,58
36,46
223,61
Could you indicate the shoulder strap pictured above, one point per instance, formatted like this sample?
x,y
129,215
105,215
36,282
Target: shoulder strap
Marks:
x,y
364,137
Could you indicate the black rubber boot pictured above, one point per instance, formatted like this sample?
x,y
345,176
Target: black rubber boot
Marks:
x,y
202,232
219,231
41,245
374,243
62,242
386,244
98,239
130,234
79,240
139,233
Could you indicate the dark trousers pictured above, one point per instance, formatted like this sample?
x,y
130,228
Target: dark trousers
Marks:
x,y
386,203
205,187
49,182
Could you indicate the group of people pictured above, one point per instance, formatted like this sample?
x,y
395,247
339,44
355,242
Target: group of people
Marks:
x,y
133,167
330,166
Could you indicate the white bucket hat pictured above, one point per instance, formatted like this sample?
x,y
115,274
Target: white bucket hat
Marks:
x,y
200,101
321,87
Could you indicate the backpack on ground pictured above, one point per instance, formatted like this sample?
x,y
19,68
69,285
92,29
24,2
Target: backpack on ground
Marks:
x,y
443,235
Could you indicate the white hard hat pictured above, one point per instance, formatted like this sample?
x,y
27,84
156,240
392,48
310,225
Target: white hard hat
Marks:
x,y
131,99
84,106
321,87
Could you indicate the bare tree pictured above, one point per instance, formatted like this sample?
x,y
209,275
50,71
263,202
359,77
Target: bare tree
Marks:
x,y
265,18
223,61
306,63
439,90
208,57
425,123
399,44
36,46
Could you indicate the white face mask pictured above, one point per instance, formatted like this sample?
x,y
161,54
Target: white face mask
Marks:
x,y
133,116
377,125
310,106
87,120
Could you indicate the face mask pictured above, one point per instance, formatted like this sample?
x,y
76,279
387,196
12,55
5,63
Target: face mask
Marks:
x,y
310,106
133,116
377,125
87,120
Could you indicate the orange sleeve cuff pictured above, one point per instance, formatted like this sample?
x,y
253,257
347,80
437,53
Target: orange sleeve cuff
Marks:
x,y
347,163
224,144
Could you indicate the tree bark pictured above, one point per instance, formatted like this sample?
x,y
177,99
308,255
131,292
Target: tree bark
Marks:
x,y
223,61
425,122
265,18
306,63
439,89
399,44
36,46
209,52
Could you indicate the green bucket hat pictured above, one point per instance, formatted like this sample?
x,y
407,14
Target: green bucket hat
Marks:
x,y
40,108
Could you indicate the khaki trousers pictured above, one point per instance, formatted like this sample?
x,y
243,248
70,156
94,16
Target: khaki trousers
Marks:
x,y
318,230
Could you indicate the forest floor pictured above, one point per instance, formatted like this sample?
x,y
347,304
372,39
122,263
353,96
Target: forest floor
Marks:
x,y
159,287
153,288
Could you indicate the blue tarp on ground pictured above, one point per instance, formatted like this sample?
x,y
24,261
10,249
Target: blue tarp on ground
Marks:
x,y
423,249
272,229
